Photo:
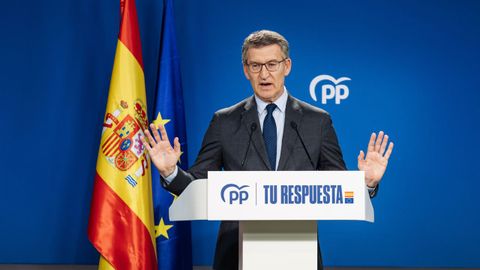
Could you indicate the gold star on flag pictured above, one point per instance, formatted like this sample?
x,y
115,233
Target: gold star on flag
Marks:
x,y
180,157
162,229
160,121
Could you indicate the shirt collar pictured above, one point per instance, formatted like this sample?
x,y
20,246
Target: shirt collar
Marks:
x,y
281,102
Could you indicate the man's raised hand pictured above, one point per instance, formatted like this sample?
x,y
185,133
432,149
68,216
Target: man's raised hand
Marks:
x,y
162,154
375,163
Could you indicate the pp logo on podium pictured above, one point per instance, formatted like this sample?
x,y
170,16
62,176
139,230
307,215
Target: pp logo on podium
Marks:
x,y
234,193
331,88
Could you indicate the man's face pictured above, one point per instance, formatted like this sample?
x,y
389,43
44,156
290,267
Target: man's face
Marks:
x,y
267,85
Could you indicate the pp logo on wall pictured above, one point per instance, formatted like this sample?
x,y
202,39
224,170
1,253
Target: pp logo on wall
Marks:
x,y
331,88
234,193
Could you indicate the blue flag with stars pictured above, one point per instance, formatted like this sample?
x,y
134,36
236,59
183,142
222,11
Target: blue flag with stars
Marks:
x,y
174,247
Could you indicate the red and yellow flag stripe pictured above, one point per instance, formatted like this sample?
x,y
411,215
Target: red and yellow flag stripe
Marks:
x,y
121,224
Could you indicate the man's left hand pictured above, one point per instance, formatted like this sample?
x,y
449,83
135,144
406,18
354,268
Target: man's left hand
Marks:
x,y
375,163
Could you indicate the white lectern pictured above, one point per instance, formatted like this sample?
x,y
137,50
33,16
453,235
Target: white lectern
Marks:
x,y
277,211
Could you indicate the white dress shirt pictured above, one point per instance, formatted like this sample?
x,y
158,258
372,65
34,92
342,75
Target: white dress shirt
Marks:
x,y
278,115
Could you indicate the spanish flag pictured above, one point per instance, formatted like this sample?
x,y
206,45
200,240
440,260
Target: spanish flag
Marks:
x,y
121,224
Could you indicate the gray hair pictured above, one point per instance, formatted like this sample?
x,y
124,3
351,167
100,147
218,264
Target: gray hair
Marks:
x,y
261,39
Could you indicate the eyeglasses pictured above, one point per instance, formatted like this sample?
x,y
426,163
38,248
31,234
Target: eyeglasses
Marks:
x,y
270,66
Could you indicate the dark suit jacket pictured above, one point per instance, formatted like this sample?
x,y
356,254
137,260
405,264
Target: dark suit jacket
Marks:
x,y
225,145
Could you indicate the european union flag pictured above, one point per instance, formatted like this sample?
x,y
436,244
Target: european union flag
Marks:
x,y
174,246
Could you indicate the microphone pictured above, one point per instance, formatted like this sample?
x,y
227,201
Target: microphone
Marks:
x,y
253,127
294,126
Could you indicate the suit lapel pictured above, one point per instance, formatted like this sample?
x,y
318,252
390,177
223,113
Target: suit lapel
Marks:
x,y
293,113
249,116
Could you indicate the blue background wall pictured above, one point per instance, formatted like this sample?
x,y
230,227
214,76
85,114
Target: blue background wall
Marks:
x,y
415,74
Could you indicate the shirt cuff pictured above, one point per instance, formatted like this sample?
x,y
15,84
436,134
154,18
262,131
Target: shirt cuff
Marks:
x,y
172,176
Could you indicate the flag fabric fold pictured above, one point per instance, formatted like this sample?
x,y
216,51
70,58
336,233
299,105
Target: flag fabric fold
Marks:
x,y
121,222
173,238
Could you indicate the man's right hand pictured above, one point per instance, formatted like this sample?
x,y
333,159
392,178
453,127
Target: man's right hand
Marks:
x,y
163,156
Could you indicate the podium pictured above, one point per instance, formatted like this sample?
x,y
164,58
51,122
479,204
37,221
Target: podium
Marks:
x,y
277,211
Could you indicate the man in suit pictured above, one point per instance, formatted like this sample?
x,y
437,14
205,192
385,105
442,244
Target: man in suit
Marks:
x,y
270,130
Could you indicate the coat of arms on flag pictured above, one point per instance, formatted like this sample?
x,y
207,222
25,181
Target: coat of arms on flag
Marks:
x,y
122,146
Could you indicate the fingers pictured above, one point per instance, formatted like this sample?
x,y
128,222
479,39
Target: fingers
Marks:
x,y
145,144
371,143
151,141
361,161
361,156
384,145
176,145
378,141
163,132
155,133
389,151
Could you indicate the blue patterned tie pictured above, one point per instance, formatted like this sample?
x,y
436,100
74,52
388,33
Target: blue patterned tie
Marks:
x,y
270,135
